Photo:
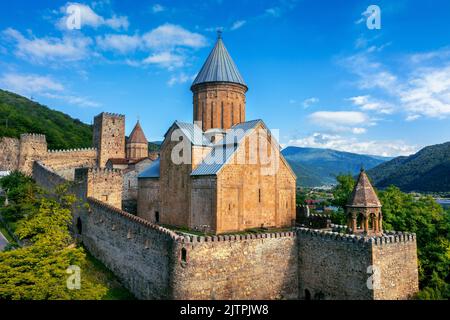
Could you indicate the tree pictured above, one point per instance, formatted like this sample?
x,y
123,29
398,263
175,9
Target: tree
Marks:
x,y
343,190
39,270
426,218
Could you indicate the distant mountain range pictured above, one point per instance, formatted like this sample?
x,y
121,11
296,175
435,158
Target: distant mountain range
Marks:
x,y
426,171
318,167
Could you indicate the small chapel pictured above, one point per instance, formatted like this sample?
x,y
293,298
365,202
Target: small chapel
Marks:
x,y
222,173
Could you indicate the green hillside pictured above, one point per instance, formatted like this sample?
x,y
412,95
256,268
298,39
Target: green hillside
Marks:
x,y
316,167
426,171
20,115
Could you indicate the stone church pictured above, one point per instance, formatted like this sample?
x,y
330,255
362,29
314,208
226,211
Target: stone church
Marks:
x,y
232,176
223,176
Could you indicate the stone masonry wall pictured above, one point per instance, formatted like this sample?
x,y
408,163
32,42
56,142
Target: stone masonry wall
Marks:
x,y
46,177
254,192
70,159
335,266
9,154
136,251
109,137
102,184
396,257
33,147
332,266
148,199
219,105
262,266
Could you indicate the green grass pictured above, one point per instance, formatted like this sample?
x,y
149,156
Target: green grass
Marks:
x,y
97,272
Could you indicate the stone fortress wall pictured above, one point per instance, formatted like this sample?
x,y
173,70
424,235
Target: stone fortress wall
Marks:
x,y
157,263
20,154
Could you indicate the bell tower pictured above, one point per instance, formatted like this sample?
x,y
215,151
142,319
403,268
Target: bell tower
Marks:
x,y
219,91
364,208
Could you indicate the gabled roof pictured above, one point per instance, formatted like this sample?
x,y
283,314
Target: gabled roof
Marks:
x,y
219,67
363,195
223,150
152,171
137,135
192,131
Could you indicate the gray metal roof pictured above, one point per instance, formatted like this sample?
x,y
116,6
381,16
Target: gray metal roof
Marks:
x,y
219,67
224,149
194,133
152,171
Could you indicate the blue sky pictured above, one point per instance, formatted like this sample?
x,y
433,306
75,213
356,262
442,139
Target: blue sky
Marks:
x,y
315,71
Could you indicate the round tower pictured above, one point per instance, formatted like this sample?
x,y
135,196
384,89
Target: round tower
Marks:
x,y
219,91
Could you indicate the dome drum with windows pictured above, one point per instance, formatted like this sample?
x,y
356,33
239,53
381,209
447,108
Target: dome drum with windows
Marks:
x,y
219,91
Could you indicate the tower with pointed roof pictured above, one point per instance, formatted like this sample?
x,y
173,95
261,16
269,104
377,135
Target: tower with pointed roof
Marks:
x,y
137,144
219,91
364,208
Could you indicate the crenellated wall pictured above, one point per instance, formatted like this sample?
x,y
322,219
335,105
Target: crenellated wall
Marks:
x,y
340,266
138,252
252,266
395,254
102,184
157,263
70,159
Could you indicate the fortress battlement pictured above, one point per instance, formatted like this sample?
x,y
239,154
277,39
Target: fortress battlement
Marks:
x,y
111,115
387,237
237,237
72,150
33,137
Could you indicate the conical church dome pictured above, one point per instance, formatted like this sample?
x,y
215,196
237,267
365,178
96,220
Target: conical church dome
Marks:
x,y
363,195
137,135
219,67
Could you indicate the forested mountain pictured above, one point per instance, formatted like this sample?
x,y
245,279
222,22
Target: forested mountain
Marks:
x,y
426,171
20,115
317,167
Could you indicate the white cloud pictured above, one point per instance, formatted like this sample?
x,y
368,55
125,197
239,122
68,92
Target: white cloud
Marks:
x,y
89,18
372,147
310,101
49,49
119,42
27,84
169,36
74,100
156,8
166,60
341,120
412,117
423,90
367,103
275,12
180,79
31,84
238,24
